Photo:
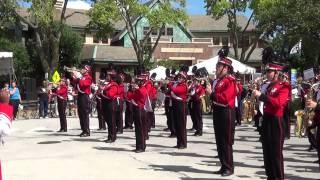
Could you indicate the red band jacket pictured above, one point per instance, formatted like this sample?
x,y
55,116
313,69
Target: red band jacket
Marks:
x,y
179,91
275,99
225,92
199,92
62,92
84,84
139,97
110,91
121,91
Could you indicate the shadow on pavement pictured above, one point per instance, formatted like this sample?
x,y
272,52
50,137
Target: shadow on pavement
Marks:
x,y
44,131
186,154
62,134
86,140
112,149
49,142
176,168
302,169
157,146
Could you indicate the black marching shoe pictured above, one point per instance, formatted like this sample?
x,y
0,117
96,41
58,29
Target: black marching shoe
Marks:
x,y
182,147
109,141
172,135
218,172
139,150
82,134
85,135
198,133
60,130
226,173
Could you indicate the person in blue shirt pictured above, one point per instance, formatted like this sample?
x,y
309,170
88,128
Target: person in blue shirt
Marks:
x,y
15,98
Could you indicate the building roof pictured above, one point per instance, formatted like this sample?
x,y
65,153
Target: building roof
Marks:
x,y
204,23
198,23
254,58
106,54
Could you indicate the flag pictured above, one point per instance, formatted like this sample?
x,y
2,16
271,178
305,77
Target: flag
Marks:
x,y
56,77
296,48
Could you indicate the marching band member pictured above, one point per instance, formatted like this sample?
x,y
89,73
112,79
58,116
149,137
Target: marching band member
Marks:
x,y
166,89
315,123
98,94
119,101
6,117
239,102
139,114
149,86
179,92
272,135
83,85
109,95
129,112
196,93
223,100
286,113
62,94
153,98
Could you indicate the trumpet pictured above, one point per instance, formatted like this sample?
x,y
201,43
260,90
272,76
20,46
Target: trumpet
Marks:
x,y
75,72
71,70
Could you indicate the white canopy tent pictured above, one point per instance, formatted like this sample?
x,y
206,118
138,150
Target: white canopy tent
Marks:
x,y
210,65
161,73
6,65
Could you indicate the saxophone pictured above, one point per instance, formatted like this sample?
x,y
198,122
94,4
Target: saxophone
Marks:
x,y
309,112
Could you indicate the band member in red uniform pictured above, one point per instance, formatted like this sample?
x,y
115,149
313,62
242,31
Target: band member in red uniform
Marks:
x,y
166,89
62,94
196,93
286,113
223,94
139,115
148,85
119,103
272,134
83,85
98,94
128,113
239,101
6,117
109,95
179,91
153,99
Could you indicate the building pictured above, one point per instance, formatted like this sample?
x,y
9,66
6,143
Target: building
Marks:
x,y
196,42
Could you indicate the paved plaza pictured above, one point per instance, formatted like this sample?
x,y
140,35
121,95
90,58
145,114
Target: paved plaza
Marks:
x,y
35,151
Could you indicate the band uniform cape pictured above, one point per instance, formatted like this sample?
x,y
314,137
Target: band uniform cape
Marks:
x,y
6,116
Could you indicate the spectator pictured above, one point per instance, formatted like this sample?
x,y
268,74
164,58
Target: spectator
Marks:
x,y
15,98
43,100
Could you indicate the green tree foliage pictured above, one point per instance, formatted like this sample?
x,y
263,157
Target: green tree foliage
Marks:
x,y
46,24
71,45
169,12
231,9
22,65
287,22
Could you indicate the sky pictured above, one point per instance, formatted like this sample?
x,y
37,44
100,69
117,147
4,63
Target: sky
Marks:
x,y
193,7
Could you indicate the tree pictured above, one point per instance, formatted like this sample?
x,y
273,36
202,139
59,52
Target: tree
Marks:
x,y
231,9
106,12
22,65
70,47
46,24
289,21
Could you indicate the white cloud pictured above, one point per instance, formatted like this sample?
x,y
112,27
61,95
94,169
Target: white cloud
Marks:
x,y
78,4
